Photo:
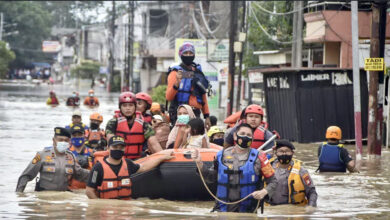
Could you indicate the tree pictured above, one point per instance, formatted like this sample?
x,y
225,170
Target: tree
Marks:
x,y
6,56
86,70
33,25
279,26
158,94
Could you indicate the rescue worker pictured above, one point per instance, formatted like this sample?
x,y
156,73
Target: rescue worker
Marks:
x,y
187,85
238,171
74,100
253,115
110,177
76,119
135,131
144,102
216,135
82,153
332,155
56,165
295,185
52,100
91,100
96,138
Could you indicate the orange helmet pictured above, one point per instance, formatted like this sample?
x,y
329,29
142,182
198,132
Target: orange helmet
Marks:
x,y
91,91
155,107
333,132
96,116
144,96
255,109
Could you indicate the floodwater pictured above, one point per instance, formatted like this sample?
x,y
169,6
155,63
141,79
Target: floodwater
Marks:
x,y
26,126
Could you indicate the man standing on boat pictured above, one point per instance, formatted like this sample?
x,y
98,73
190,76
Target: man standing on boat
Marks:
x,y
132,128
238,171
110,177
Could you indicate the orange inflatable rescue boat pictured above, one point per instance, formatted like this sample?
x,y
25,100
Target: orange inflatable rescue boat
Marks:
x,y
175,179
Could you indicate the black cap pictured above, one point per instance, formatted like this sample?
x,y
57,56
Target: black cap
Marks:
x,y
284,143
116,140
77,128
61,132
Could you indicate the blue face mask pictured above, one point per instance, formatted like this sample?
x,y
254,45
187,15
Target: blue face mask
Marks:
x,y
183,119
77,141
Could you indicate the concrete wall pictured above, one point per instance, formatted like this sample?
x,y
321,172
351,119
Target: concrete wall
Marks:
x,y
331,53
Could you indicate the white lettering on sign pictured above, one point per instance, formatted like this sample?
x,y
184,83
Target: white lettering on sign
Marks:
x,y
283,83
315,77
340,79
272,82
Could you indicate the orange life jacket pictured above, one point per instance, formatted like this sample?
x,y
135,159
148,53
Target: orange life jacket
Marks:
x,y
134,137
95,135
258,137
113,186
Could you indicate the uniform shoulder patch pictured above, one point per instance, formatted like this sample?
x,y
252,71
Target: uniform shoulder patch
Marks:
x,y
307,179
48,148
36,159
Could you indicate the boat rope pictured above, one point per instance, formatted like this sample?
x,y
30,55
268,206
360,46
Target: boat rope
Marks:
x,y
219,200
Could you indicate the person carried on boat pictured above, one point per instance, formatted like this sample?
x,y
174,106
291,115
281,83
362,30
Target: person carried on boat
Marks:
x,y
332,155
216,135
239,172
82,153
96,136
197,137
187,85
76,119
179,134
162,130
73,100
52,100
56,164
144,102
110,177
91,100
295,185
253,115
133,129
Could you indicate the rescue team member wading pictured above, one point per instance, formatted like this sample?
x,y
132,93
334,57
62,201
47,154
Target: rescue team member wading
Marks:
x,y
332,155
254,117
91,100
56,166
82,153
76,119
294,183
144,102
96,138
52,100
238,170
186,85
133,129
110,177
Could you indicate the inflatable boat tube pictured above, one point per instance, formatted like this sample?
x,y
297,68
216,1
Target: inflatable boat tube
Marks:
x,y
175,179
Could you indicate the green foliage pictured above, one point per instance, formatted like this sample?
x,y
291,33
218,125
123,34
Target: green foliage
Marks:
x,y
158,94
6,56
33,24
86,70
279,26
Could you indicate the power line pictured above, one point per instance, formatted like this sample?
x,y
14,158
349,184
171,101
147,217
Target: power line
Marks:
x,y
278,13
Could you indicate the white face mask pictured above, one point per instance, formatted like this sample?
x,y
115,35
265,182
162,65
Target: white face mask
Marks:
x,y
62,146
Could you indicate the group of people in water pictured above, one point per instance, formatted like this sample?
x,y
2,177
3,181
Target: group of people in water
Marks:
x,y
74,100
249,167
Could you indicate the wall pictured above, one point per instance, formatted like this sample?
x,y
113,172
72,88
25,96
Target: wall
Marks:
x,y
331,53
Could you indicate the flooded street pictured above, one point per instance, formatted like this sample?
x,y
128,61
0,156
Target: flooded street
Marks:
x,y
26,126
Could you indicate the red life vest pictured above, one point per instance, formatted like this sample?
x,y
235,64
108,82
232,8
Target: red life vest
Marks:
x,y
258,137
115,186
147,118
134,137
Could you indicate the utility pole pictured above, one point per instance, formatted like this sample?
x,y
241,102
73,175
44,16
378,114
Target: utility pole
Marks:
x,y
294,43
111,58
130,66
299,31
373,128
1,25
356,79
233,27
244,30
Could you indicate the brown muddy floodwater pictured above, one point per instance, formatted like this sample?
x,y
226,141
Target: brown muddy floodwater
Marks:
x,y
26,126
